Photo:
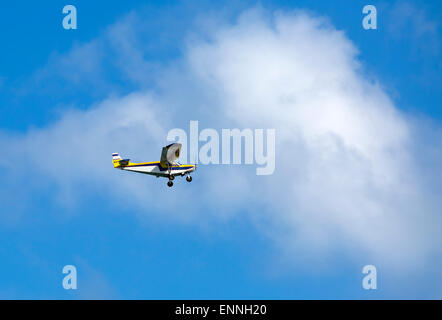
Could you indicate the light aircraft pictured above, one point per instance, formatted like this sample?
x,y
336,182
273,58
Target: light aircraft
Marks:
x,y
167,167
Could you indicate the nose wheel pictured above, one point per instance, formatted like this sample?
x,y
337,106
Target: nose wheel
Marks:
x,y
189,179
169,183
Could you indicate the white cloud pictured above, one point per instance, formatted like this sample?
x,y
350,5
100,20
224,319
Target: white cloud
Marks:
x,y
345,165
348,172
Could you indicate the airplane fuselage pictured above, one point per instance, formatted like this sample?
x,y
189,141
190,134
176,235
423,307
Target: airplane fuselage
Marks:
x,y
156,169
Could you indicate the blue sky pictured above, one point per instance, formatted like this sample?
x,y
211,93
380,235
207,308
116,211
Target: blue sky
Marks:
x,y
157,243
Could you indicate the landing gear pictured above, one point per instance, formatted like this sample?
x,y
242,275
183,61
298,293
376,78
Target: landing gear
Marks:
x,y
189,178
170,183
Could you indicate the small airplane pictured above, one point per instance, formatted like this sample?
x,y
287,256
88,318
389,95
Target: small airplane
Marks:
x,y
167,167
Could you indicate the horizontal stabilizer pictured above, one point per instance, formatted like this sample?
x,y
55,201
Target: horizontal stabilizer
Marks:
x,y
124,162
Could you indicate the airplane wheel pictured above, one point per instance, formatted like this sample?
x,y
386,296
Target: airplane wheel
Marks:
x,y
169,183
189,178
171,178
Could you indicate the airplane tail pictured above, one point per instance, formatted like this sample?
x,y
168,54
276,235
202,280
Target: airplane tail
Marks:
x,y
118,161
